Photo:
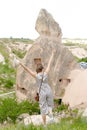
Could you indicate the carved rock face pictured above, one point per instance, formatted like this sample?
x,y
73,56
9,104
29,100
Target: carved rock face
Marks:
x,y
61,66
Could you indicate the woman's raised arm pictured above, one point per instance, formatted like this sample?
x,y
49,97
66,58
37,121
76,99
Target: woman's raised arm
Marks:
x,y
49,63
28,70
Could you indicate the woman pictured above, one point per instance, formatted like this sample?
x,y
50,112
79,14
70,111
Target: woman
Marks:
x,y
45,95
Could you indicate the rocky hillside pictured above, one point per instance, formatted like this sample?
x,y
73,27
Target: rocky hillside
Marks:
x,y
9,47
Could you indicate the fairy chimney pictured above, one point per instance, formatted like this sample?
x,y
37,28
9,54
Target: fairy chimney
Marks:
x,y
63,62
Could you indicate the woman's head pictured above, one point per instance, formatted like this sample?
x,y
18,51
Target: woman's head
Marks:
x,y
39,68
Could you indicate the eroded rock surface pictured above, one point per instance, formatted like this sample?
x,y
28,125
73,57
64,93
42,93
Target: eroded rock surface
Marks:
x,y
76,92
62,64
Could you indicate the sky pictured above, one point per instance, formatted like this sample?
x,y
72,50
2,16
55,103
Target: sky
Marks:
x,y
18,17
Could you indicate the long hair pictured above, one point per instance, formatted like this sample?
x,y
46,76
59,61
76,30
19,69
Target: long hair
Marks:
x,y
39,68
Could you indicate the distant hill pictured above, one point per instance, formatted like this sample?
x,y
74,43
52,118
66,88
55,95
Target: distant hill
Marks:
x,y
74,41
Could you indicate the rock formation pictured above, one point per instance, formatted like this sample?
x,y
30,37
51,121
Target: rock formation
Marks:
x,y
47,26
76,92
62,64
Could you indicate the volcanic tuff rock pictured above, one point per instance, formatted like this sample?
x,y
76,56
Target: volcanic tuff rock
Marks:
x,y
46,25
62,64
76,92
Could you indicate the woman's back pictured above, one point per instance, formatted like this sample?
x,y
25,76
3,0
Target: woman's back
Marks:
x,y
42,79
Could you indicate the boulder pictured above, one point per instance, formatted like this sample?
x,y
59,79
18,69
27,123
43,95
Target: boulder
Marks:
x,y
37,120
76,92
62,64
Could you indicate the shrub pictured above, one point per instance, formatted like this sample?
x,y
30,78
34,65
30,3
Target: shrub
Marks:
x,y
10,108
29,107
83,59
7,77
19,54
59,106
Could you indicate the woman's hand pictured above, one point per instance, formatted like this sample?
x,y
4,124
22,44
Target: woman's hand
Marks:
x,y
16,62
54,51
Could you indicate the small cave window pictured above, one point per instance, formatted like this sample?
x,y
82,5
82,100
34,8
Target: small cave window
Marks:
x,y
37,61
69,80
23,90
59,101
60,80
